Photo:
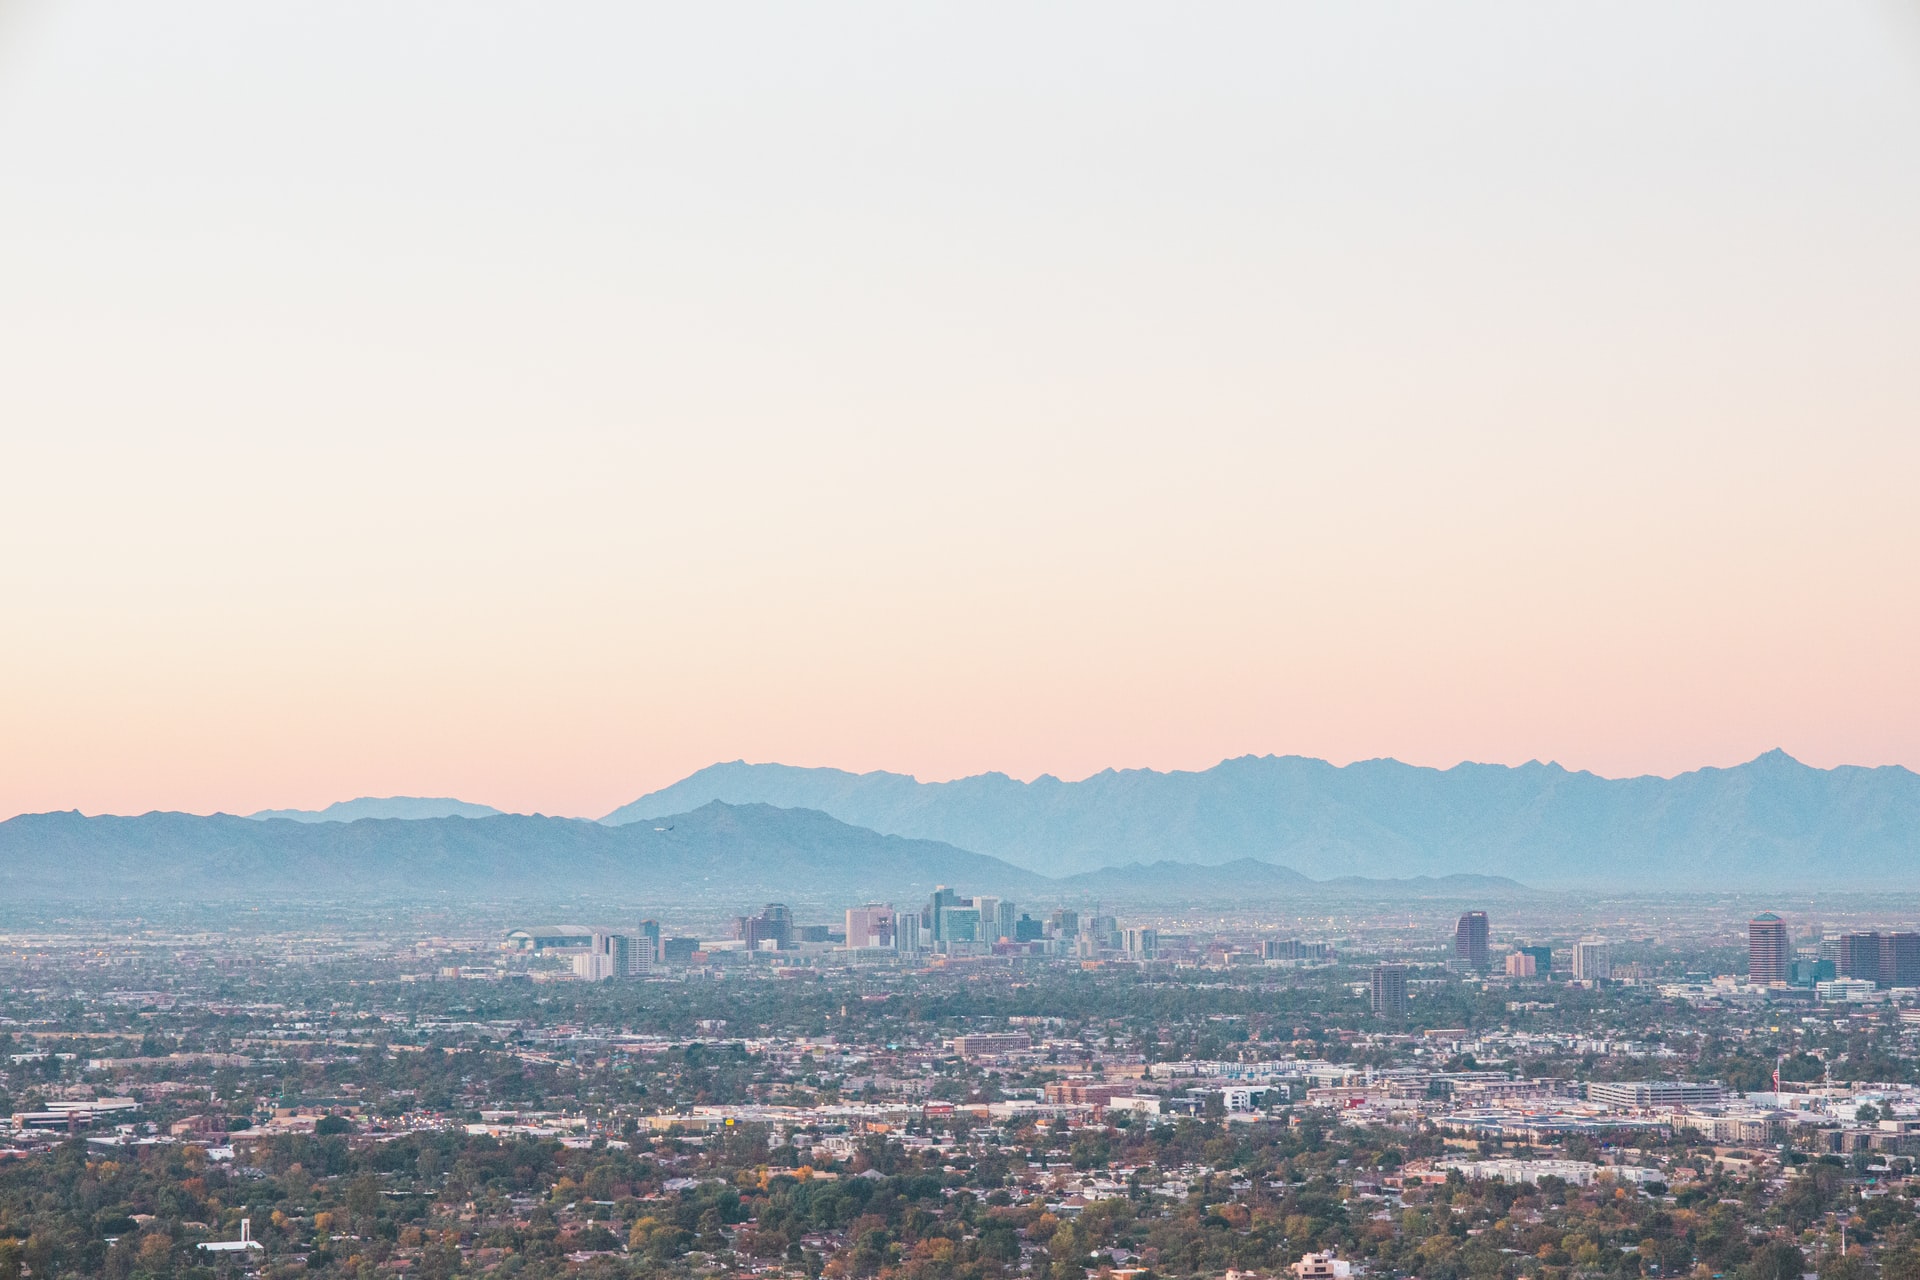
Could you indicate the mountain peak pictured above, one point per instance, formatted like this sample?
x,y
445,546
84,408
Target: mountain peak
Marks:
x,y
1771,821
411,808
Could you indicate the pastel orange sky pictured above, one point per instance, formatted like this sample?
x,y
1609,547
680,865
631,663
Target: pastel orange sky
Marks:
x,y
534,404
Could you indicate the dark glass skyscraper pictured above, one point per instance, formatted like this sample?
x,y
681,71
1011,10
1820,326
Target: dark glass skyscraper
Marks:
x,y
1390,991
1470,941
1860,955
1767,951
1900,959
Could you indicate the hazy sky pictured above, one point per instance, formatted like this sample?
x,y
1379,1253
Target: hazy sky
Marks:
x,y
536,402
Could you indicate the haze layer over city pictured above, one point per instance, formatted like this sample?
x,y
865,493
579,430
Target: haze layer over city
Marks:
x,y
928,642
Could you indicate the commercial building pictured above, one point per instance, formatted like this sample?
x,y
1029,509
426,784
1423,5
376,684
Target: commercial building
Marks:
x,y
609,955
1320,1266
1590,962
1470,942
1900,959
1101,933
870,925
1578,1173
1099,1092
771,930
1522,965
933,918
1390,991
1294,949
246,1244
1847,990
551,939
594,954
1858,955
992,1044
1808,973
998,918
1644,1094
1767,950
957,924
1140,944
1542,959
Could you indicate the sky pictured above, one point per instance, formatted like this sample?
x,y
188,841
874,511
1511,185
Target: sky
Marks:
x,y
534,403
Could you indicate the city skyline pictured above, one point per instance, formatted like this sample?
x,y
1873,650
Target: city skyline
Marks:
x,y
403,804
1096,641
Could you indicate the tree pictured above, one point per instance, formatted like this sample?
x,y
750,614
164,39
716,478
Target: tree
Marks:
x,y
1776,1261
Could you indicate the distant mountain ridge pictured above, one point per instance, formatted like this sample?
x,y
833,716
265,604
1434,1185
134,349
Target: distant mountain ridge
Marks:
x,y
1770,822
407,807
735,853
718,853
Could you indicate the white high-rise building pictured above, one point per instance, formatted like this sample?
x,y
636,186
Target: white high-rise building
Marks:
x,y
870,925
611,955
1590,960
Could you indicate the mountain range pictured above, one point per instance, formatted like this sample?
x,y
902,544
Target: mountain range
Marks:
x,y
738,854
717,854
382,807
1770,822
1251,828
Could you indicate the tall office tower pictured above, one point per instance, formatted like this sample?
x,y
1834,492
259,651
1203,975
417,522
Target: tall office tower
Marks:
x,y
1390,991
1830,949
772,929
943,899
1767,951
1859,956
1104,930
1900,959
1007,922
870,925
610,955
647,956
957,924
1590,960
1470,941
906,933
1542,959
1140,944
1521,964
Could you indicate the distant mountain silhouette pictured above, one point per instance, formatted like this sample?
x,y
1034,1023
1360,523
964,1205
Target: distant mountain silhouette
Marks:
x,y
411,807
1770,822
735,854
